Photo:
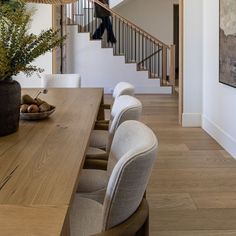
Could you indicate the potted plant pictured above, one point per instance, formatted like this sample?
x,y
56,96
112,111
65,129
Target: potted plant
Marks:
x,y
18,49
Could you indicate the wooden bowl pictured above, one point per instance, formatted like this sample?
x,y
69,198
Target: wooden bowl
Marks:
x,y
37,116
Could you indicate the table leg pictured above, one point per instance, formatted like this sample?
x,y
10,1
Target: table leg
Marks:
x,y
66,227
101,112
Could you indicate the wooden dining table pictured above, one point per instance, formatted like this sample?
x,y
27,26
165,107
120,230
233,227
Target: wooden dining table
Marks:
x,y
40,164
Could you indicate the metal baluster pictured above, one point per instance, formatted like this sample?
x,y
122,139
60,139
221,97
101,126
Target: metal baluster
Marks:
x,y
88,16
96,19
150,59
77,7
123,39
92,18
159,61
115,33
139,46
135,46
72,15
118,38
146,48
154,59
153,49
142,50
125,49
84,14
131,44
127,40
115,30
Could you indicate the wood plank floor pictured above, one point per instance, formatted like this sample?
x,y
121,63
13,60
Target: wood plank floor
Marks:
x,y
192,191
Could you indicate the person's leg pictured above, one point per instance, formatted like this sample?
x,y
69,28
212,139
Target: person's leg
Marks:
x,y
110,35
100,30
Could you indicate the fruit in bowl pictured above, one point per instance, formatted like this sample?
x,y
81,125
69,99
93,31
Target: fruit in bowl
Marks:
x,y
34,108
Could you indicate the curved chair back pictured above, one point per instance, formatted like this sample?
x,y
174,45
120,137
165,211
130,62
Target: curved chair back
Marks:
x,y
125,108
60,81
133,152
123,88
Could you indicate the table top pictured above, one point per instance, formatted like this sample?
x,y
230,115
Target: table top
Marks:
x,y
31,220
40,164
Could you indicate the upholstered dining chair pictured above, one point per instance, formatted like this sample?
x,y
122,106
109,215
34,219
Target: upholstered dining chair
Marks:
x,y
26,82
122,88
125,108
60,81
122,211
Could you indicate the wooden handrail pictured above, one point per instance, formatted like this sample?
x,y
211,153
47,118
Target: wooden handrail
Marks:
x,y
131,24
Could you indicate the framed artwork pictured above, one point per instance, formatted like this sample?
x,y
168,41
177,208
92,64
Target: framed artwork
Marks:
x,y
228,42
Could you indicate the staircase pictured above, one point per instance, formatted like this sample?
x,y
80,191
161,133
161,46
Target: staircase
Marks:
x,y
135,44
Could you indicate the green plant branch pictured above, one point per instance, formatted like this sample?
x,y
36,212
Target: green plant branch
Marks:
x,y
18,48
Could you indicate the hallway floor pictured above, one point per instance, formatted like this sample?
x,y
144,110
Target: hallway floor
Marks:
x,y
192,191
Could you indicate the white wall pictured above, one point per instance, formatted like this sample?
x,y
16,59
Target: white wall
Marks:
x,y
193,46
154,16
42,20
114,3
219,100
99,68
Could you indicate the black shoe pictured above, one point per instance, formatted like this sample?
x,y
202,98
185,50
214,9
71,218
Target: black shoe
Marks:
x,y
95,37
112,40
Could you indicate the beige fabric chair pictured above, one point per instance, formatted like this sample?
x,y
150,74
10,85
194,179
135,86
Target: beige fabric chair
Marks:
x,y
125,108
60,81
93,182
132,156
28,82
122,88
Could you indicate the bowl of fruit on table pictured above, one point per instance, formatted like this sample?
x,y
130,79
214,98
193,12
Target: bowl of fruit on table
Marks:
x,y
35,108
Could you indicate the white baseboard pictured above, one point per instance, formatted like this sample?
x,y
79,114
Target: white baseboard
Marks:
x,y
147,90
153,90
222,137
192,120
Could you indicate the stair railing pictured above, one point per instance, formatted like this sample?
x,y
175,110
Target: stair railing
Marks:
x,y
137,45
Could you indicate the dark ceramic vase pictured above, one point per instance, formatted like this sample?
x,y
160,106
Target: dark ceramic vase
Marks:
x,y
10,95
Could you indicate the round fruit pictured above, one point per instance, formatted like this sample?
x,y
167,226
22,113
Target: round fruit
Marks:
x,y
44,107
33,108
23,108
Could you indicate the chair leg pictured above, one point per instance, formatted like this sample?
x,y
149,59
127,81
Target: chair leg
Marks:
x,y
144,230
146,227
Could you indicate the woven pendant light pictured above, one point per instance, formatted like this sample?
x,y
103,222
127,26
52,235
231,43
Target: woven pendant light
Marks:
x,y
52,2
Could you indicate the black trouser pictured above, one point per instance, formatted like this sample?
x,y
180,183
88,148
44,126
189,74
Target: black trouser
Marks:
x,y
105,24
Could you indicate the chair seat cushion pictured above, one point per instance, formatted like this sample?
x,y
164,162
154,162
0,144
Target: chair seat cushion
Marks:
x,y
96,153
99,139
91,180
85,217
93,184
